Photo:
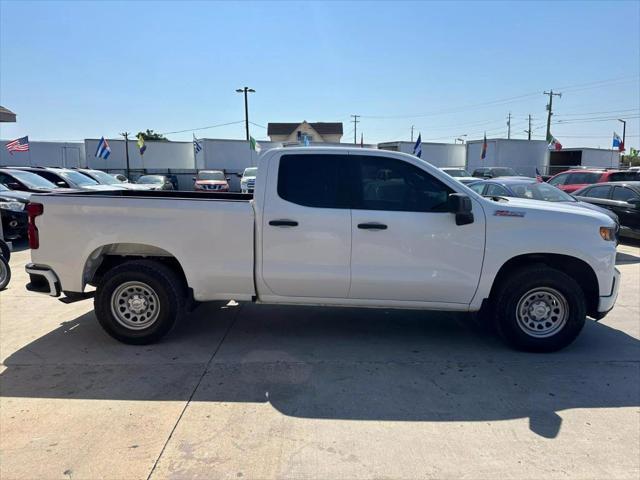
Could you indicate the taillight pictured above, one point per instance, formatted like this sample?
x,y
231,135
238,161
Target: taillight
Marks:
x,y
34,210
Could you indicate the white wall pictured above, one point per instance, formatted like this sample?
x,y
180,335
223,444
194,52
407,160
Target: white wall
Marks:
x,y
596,157
524,156
159,155
437,154
53,154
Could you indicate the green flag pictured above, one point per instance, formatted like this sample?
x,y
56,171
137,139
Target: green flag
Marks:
x,y
254,145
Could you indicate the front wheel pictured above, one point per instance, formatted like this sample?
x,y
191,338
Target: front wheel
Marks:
x,y
138,302
5,273
540,309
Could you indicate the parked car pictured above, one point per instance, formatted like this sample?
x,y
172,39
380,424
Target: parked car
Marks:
x,y
155,182
532,189
575,179
492,172
330,226
248,180
68,178
14,217
211,180
105,179
25,181
5,270
622,198
459,174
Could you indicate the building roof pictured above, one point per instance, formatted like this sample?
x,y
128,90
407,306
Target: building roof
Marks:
x,y
323,128
7,115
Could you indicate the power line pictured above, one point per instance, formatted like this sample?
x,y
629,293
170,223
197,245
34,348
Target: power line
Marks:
x,y
203,128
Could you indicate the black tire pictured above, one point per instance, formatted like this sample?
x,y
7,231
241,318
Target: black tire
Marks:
x,y
170,296
5,251
5,273
521,286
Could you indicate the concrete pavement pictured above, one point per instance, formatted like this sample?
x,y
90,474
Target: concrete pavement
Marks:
x,y
254,391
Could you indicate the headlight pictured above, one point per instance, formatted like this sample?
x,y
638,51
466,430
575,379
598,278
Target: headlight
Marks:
x,y
14,206
608,233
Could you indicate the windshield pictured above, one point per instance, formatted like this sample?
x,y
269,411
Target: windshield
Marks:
x,y
250,172
103,178
4,188
31,180
503,172
150,179
76,177
457,172
211,175
541,191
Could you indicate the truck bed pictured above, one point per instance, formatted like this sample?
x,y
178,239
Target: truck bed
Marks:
x,y
209,234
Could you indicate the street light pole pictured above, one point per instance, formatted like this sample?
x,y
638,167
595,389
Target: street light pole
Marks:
x,y
246,90
624,132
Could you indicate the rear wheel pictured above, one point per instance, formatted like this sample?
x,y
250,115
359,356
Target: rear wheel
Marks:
x,y
539,309
139,302
5,273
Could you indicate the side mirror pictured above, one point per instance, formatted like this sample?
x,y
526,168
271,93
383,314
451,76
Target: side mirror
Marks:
x,y
61,184
13,185
634,202
228,179
193,178
460,206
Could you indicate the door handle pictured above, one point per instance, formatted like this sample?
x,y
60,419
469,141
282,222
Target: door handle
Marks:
x,y
283,223
372,226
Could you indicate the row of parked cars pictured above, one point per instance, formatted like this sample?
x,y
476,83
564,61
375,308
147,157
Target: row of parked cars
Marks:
x,y
612,191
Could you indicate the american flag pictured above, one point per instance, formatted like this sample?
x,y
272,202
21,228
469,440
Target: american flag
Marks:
x,y
18,145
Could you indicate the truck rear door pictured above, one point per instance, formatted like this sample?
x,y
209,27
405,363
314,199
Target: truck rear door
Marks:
x,y
306,227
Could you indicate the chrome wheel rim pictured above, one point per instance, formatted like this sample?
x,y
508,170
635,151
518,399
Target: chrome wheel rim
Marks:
x,y
542,312
135,305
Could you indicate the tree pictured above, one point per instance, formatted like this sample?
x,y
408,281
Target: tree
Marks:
x,y
151,135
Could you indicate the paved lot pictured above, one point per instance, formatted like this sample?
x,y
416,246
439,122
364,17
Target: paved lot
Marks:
x,y
287,392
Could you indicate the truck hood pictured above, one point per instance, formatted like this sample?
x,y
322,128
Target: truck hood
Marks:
x,y
16,194
136,186
516,206
103,187
211,182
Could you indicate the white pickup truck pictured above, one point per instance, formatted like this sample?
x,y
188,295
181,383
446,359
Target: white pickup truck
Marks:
x,y
329,226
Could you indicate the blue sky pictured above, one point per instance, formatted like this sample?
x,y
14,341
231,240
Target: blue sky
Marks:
x,y
75,70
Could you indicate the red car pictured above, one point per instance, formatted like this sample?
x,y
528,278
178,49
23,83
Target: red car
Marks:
x,y
211,180
572,180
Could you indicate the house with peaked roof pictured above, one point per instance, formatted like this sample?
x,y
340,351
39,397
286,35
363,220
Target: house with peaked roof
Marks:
x,y
316,132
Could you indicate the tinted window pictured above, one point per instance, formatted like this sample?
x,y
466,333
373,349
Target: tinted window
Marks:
x,y
479,172
53,178
541,191
395,185
314,180
583,177
622,177
494,189
559,179
503,172
597,192
623,194
31,180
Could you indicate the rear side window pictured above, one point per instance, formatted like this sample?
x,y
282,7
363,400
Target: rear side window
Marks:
x,y
559,179
578,178
477,187
494,189
598,192
394,185
622,177
623,194
52,177
314,180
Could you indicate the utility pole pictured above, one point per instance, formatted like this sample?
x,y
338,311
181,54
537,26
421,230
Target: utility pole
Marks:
x,y
355,128
528,132
549,111
412,127
509,126
246,90
126,149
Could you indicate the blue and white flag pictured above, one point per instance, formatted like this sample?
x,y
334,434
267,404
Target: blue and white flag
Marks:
x,y
417,149
196,145
103,150
617,141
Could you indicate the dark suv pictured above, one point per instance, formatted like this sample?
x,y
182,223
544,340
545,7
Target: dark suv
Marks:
x,y
493,172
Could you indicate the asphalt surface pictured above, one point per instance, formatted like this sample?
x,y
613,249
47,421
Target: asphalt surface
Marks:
x,y
250,391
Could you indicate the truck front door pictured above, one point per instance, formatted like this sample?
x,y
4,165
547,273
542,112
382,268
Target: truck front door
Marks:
x,y
406,246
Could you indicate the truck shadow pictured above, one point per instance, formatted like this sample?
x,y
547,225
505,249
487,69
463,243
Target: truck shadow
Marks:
x,y
334,363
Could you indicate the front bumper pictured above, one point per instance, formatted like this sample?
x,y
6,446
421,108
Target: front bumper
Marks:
x,y
605,304
43,280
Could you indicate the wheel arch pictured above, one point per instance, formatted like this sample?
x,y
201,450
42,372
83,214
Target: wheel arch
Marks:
x,y
106,257
575,267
